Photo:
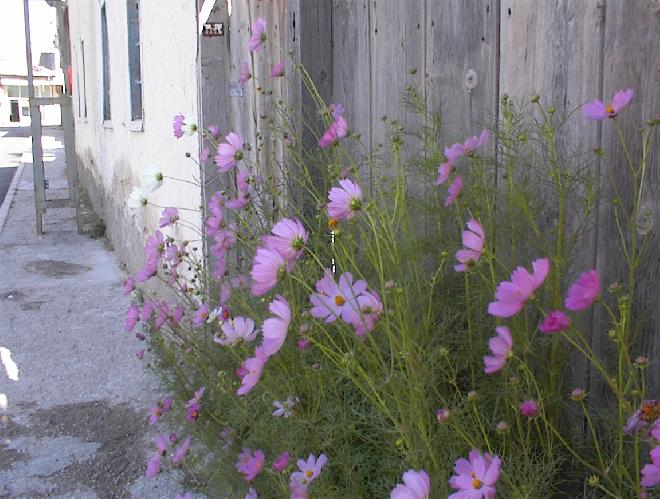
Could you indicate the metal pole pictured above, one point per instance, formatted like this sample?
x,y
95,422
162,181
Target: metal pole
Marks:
x,y
35,126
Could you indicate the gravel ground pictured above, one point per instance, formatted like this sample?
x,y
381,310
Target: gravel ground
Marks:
x,y
74,398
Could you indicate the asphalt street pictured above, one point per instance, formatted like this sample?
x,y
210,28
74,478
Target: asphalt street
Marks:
x,y
14,141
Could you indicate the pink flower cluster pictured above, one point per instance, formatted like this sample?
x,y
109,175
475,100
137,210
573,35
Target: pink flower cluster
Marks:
x,y
250,464
453,153
476,478
308,471
473,242
344,201
337,130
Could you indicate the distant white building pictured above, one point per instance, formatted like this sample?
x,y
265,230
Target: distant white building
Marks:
x,y
48,76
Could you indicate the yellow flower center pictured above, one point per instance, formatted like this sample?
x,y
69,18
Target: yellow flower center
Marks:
x,y
339,300
651,411
332,223
609,109
476,483
309,473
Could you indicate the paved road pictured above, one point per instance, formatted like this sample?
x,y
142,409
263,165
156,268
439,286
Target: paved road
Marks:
x,y
14,141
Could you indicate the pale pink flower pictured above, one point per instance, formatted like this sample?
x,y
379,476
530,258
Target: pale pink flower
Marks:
x,y
344,201
512,295
583,292
474,143
500,345
250,464
277,70
238,328
275,328
147,311
476,478
204,155
453,152
336,110
597,110
281,462
177,125
416,485
201,314
444,171
303,343
153,466
132,317
454,190
651,471
169,216
214,130
337,130
370,307
181,452
289,237
529,408
252,367
268,268
243,192
333,300
129,286
473,241
309,471
555,322
229,153
245,74
258,35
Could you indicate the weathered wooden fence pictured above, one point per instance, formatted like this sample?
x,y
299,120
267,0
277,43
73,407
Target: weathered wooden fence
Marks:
x,y
463,55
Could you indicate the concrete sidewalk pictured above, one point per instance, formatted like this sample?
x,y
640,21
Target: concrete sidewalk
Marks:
x,y
74,398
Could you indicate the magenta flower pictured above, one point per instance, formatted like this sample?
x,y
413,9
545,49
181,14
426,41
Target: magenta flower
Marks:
x,y
281,462
444,171
201,314
416,485
245,74
129,286
303,343
473,241
309,471
454,191
192,412
555,322
474,143
500,345
181,452
583,292
250,464
169,216
651,471
476,478
597,110
344,201
132,317
268,268
258,35
277,70
529,408
512,295
370,308
289,237
229,153
147,311
275,328
153,466
243,192
252,367
337,130
454,152
177,125
333,300
161,444
238,328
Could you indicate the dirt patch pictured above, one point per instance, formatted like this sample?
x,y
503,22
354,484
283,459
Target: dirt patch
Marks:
x,y
32,305
55,268
118,429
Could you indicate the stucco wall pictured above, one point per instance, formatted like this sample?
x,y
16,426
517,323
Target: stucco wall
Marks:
x,y
112,154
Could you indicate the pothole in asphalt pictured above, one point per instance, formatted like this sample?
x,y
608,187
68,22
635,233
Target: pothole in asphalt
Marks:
x,y
55,268
13,295
116,430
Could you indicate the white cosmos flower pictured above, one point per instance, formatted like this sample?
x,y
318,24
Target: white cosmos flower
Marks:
x,y
152,179
285,409
189,129
137,199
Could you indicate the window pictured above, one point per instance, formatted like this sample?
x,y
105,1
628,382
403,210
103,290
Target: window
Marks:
x,y
134,69
106,65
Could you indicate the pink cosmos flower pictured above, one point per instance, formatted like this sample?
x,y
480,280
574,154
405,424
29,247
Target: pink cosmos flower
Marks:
x,y
473,241
238,328
129,286
597,110
181,452
281,462
149,270
161,444
512,295
250,464
370,307
140,354
229,153
454,152
245,74
416,485
648,413
277,70
454,190
336,110
155,246
275,328
476,478
344,201
303,343
500,345
253,367
337,130
444,171
197,396
214,130
583,292
474,143
333,300
177,125
192,412
651,471
309,471
169,216
147,311
529,408
289,237
655,430
201,314
555,322
132,317
268,268
204,155
153,466
243,192
258,35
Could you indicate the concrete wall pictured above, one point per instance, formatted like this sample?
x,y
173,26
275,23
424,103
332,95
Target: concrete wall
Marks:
x,y
112,154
